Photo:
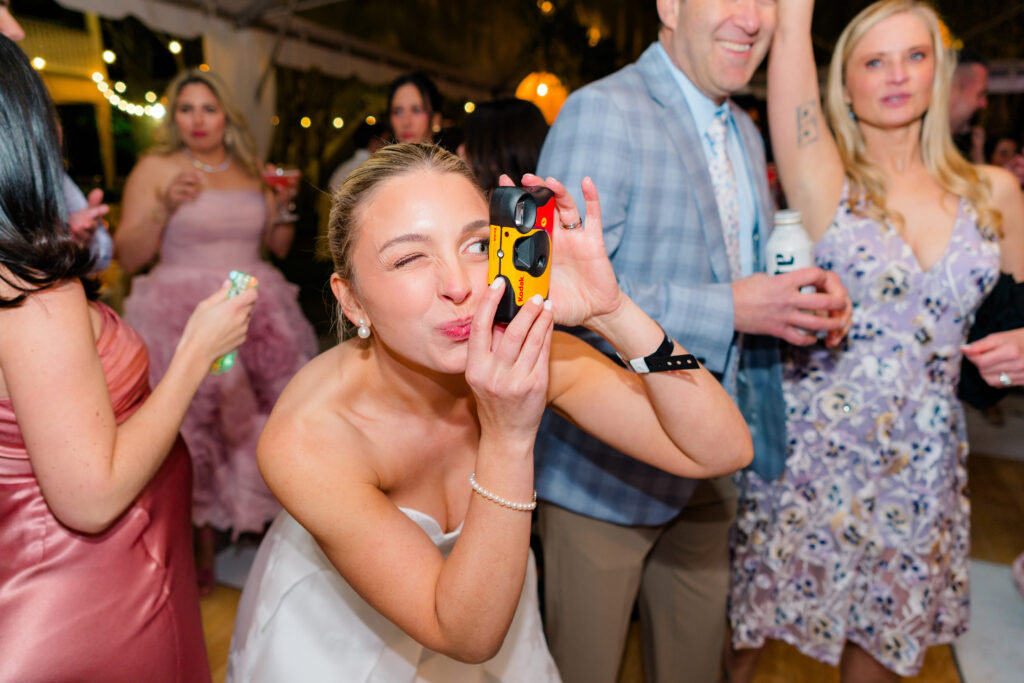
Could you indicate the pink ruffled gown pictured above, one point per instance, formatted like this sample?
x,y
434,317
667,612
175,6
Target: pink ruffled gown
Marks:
x,y
117,606
203,241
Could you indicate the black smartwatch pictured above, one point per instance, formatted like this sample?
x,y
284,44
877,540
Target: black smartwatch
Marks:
x,y
661,360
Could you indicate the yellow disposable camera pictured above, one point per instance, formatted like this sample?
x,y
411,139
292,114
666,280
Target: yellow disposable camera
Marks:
x,y
522,219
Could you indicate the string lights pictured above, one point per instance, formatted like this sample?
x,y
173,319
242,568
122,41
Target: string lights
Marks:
x,y
153,110
114,94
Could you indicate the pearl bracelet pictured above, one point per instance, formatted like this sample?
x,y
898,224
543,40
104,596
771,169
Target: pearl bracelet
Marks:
x,y
524,507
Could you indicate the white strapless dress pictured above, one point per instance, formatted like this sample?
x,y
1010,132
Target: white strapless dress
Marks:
x,y
299,620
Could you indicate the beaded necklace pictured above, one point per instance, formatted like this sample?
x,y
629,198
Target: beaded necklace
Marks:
x,y
208,168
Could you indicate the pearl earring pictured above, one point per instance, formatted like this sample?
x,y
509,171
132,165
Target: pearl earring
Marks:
x,y
363,331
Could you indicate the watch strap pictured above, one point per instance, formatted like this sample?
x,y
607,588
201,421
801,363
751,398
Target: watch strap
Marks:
x,y
661,360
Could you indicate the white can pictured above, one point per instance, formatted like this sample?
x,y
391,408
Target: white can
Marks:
x,y
789,247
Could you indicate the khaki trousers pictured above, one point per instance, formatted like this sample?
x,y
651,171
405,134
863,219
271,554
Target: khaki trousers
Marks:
x,y
678,573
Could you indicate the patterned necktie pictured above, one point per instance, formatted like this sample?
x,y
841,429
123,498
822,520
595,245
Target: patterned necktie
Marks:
x,y
726,193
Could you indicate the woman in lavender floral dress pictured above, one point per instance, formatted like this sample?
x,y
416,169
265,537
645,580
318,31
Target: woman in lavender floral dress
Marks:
x,y
857,555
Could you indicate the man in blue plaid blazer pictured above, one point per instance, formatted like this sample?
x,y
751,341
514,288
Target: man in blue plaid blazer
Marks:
x,y
614,529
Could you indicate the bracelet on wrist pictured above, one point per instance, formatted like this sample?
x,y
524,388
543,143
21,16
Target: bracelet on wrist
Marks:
x,y
662,359
522,507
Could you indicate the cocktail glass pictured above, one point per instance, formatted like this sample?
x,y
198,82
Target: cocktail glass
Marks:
x,y
284,180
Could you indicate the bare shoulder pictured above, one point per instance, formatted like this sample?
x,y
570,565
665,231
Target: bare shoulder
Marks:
x,y
150,164
1005,189
10,286
1008,200
154,169
51,302
307,439
45,322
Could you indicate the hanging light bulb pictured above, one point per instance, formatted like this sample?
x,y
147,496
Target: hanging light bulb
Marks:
x,y
546,91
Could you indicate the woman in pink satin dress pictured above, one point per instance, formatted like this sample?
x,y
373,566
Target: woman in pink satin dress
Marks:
x,y
196,206
97,581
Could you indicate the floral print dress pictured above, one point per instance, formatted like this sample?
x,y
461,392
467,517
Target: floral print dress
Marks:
x,y
865,536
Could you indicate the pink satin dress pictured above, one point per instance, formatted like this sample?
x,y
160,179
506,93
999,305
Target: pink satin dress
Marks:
x,y
117,606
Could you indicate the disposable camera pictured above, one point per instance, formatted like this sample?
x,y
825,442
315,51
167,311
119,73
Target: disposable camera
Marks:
x,y
520,248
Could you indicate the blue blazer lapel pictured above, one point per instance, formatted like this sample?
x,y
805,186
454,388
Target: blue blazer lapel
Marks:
x,y
678,122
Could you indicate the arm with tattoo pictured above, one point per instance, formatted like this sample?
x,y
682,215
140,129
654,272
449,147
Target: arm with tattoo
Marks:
x,y
810,167
807,117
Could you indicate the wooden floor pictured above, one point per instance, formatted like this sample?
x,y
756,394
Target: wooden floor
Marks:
x,y
997,535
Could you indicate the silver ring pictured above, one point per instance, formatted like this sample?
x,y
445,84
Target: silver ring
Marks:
x,y
574,226
1005,380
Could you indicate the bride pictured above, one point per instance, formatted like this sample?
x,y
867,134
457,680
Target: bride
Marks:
x,y
404,455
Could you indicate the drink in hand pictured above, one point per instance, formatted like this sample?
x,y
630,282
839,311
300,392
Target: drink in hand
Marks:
x,y
239,283
285,182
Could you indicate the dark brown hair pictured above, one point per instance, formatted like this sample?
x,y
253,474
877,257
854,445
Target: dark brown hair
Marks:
x,y
37,249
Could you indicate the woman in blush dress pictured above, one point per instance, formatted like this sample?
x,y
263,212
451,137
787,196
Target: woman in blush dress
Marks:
x,y
197,206
404,455
97,581
857,555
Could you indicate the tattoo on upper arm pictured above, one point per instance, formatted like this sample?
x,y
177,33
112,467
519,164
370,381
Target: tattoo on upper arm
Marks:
x,y
807,123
